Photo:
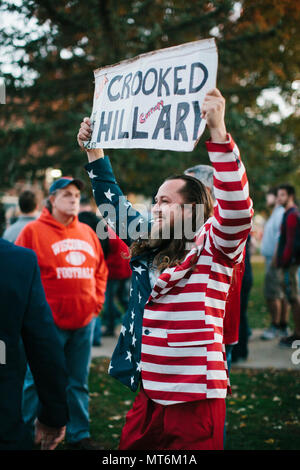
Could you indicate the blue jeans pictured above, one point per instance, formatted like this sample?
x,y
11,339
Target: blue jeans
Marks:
x,y
97,335
115,289
77,346
228,349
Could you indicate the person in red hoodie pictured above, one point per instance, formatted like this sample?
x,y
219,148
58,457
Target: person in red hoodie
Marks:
x,y
74,276
119,273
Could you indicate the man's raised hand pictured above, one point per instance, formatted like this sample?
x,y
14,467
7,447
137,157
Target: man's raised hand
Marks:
x,y
84,134
213,111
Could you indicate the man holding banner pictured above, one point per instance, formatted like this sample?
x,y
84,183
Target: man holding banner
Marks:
x,y
171,340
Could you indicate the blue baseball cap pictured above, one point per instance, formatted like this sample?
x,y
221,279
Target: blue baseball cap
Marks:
x,y
64,182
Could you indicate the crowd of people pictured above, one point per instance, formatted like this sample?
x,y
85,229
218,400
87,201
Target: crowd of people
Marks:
x,y
183,311
281,249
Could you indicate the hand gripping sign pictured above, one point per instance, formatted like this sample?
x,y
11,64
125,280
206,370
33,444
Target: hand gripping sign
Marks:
x,y
154,100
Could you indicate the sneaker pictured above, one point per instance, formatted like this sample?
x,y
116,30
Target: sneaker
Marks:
x,y
283,332
239,360
270,333
288,342
85,444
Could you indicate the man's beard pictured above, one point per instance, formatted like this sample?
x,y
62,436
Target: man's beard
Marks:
x,y
161,236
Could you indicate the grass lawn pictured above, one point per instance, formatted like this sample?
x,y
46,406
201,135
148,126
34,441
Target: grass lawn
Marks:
x,y
257,311
262,412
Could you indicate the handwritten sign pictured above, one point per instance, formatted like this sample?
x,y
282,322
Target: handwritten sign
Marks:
x,y
154,100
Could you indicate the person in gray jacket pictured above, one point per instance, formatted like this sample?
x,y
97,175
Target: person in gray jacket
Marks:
x,y
28,208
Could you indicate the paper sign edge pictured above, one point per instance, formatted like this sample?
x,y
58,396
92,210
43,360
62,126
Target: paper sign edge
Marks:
x,y
140,56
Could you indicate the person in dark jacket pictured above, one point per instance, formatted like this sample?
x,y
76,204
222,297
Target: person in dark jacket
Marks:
x,y
286,257
25,315
240,350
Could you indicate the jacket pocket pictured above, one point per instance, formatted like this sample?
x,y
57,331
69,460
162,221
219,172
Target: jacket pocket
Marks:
x,y
189,338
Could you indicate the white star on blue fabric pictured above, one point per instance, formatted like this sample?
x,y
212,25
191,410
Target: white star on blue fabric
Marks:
x,y
132,380
109,194
140,298
139,269
131,328
92,175
110,367
123,330
133,340
128,356
138,366
132,314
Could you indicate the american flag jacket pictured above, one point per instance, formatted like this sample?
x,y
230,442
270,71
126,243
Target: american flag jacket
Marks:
x,y
171,338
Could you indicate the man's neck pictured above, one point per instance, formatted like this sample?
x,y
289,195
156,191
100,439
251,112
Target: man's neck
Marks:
x,y
62,218
29,214
289,205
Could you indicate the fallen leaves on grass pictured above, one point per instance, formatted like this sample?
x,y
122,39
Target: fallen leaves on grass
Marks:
x,y
270,441
115,418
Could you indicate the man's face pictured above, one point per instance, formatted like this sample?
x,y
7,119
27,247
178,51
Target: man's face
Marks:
x,y
282,197
167,209
271,200
67,201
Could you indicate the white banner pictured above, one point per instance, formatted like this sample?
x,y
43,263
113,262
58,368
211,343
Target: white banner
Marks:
x,y
154,100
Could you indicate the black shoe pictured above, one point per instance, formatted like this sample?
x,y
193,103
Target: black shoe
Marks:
x,y
85,444
238,359
288,342
108,333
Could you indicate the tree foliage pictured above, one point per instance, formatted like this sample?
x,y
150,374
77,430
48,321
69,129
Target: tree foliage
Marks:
x,y
50,87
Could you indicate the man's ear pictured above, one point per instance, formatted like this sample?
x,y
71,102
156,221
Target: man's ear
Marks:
x,y
188,210
52,199
192,208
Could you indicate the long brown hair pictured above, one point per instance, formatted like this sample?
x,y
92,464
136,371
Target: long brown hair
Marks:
x,y
171,252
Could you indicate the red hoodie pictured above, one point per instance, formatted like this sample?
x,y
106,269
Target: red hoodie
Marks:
x,y
118,257
73,269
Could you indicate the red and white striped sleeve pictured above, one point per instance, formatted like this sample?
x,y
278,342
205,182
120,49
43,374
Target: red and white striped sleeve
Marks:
x,y
233,211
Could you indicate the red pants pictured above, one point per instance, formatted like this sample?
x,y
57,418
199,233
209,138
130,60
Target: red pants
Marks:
x,y
197,425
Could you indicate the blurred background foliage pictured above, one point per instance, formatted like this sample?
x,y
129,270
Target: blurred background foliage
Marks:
x,y
57,45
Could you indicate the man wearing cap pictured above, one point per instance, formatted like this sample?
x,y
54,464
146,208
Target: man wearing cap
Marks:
x,y
74,274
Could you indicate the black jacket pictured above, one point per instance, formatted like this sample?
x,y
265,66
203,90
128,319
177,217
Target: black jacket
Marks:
x,y
25,314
